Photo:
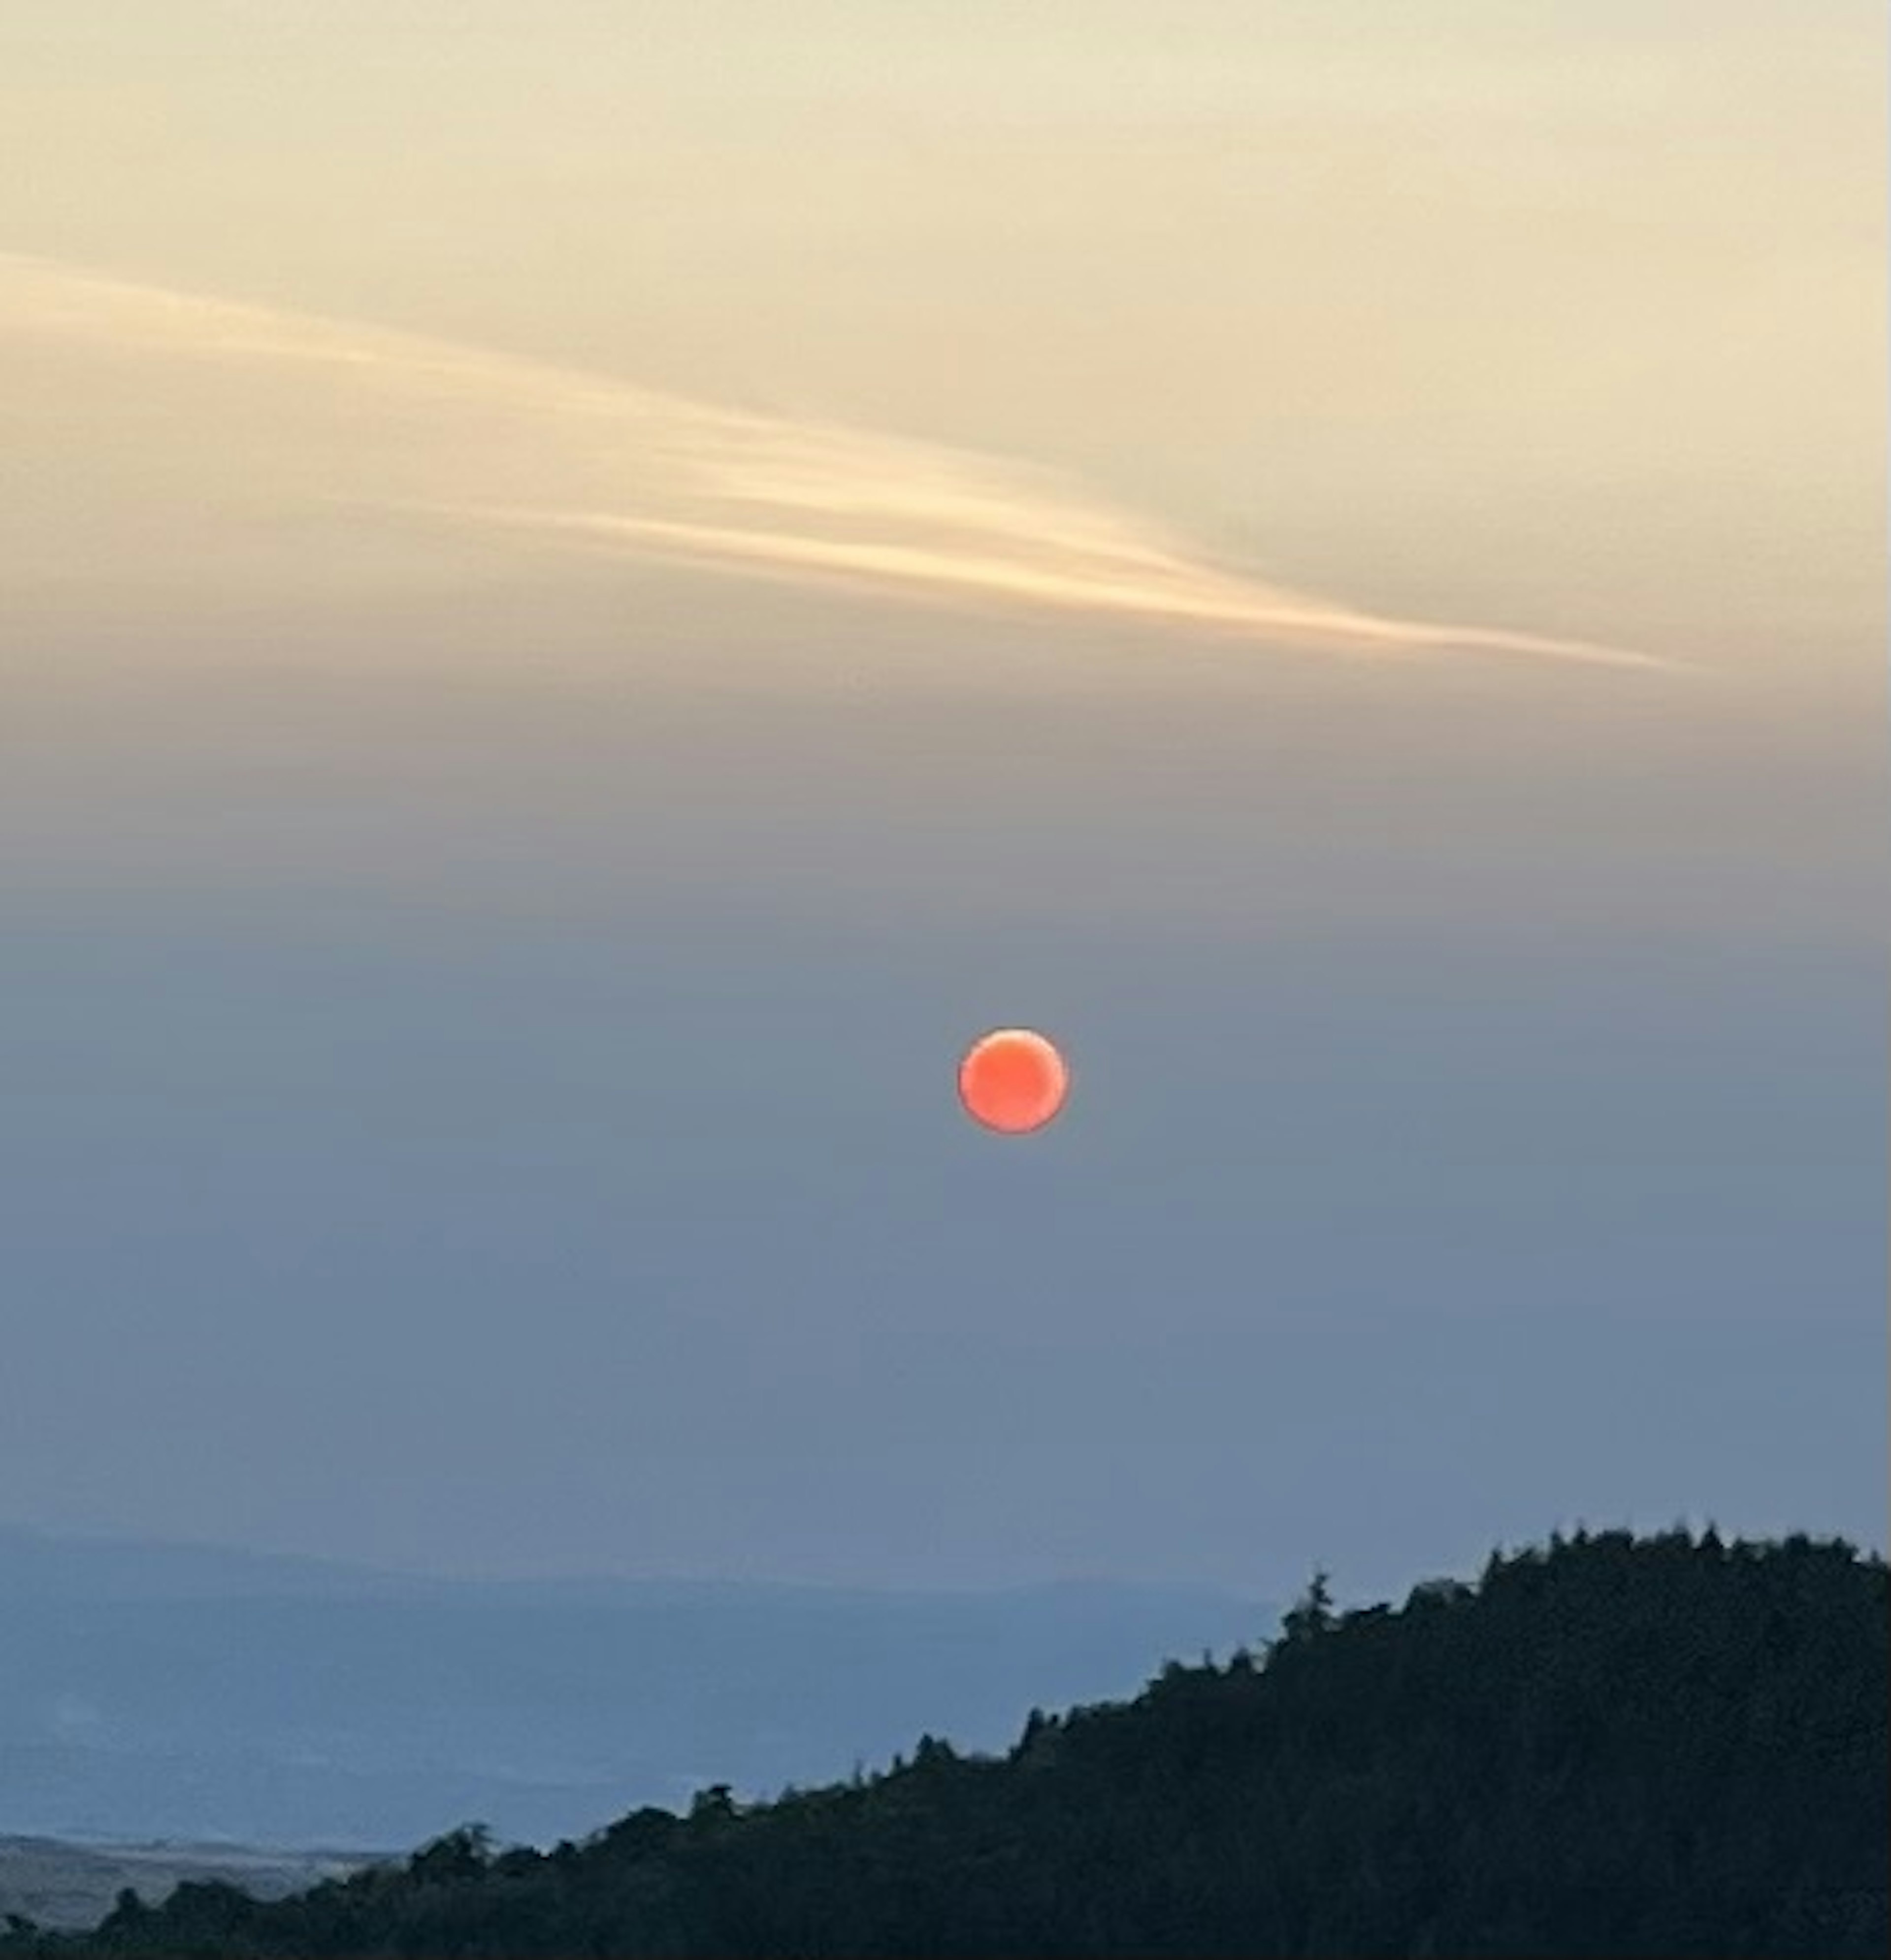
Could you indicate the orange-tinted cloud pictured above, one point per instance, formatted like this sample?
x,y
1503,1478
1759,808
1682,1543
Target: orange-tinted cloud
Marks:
x,y
620,468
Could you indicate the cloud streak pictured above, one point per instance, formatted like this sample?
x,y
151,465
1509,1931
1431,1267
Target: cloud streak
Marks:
x,y
615,468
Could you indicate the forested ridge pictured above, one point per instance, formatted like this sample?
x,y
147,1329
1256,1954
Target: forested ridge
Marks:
x,y
1606,1745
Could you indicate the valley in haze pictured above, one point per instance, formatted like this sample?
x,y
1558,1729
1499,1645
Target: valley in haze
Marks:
x,y
63,1886
154,1691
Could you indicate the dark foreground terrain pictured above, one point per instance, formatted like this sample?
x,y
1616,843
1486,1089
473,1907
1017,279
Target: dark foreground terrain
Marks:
x,y
1610,1746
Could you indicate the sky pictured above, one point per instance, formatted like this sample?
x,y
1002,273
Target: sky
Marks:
x,y
588,593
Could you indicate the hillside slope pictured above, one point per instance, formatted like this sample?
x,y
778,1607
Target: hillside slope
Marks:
x,y
1609,1746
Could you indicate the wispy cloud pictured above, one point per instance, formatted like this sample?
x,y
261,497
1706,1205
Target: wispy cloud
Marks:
x,y
601,462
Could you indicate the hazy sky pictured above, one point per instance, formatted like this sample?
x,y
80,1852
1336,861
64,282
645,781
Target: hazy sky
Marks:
x,y
588,591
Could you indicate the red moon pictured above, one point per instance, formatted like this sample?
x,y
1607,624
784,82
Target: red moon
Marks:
x,y
1013,1080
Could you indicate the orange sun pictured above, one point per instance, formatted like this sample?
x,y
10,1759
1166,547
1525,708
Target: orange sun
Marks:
x,y
1013,1080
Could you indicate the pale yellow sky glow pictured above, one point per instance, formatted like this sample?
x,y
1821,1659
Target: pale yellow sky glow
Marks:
x,y
1548,331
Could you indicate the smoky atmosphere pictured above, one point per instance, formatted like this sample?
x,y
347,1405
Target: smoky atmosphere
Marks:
x,y
860,867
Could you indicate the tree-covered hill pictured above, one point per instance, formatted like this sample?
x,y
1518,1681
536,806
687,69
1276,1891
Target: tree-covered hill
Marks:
x,y
1609,1746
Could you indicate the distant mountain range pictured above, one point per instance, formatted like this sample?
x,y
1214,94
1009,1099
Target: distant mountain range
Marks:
x,y
156,1691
